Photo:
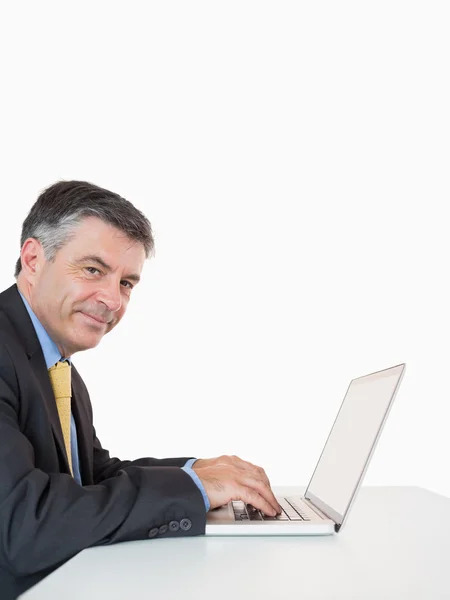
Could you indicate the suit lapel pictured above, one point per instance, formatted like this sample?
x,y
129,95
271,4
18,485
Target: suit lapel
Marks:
x,y
11,303
39,368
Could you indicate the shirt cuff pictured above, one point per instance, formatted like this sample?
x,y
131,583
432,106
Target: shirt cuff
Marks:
x,y
190,471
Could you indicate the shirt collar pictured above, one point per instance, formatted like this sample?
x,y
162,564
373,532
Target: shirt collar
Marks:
x,y
50,350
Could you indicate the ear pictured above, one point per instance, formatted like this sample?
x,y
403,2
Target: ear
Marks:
x,y
32,258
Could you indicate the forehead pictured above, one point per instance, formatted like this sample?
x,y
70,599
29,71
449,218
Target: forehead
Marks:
x,y
93,236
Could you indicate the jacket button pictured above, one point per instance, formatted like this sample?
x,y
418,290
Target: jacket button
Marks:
x,y
174,526
163,529
185,524
153,532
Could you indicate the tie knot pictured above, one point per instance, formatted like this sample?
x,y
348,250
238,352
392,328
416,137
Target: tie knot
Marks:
x,y
61,380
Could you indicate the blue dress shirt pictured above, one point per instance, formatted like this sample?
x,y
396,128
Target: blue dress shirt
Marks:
x,y
52,355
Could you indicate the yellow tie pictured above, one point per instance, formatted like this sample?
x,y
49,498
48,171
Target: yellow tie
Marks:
x,y
61,384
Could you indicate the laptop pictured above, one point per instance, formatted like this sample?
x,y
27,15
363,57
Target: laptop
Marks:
x,y
335,482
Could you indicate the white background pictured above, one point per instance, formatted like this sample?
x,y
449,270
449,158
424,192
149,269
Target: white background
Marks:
x,y
293,158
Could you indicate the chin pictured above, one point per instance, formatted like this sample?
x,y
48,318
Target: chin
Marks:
x,y
86,343
92,343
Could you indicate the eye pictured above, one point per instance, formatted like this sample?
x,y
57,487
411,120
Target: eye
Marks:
x,y
91,270
127,284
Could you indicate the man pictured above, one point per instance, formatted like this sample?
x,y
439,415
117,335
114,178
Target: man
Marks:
x,y
82,252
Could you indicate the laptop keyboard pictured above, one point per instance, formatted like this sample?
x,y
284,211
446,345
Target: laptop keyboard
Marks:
x,y
290,512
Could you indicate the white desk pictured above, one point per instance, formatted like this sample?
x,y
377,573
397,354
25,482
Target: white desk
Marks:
x,y
395,545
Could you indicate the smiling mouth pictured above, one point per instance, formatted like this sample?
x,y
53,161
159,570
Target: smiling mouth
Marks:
x,y
95,319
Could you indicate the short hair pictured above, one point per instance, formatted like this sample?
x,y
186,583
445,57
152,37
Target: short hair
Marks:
x,y
60,208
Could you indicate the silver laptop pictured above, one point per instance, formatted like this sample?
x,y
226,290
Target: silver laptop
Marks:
x,y
338,474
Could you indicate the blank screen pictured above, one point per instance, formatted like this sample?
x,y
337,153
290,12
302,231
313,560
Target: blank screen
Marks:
x,y
351,439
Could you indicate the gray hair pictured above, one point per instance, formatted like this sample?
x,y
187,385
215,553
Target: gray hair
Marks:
x,y
58,211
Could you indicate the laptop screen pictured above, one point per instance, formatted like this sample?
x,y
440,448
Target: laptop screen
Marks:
x,y
352,437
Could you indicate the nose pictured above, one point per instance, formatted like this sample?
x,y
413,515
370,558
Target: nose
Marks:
x,y
110,296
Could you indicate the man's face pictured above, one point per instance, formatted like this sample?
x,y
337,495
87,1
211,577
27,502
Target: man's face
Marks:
x,y
84,292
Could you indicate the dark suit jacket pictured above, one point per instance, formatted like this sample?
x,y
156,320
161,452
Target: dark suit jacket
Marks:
x,y
46,517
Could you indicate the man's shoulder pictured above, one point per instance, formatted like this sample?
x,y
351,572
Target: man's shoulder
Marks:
x,y
8,334
8,296
7,367
9,306
10,345
16,326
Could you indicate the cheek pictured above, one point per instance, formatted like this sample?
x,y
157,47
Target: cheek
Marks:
x,y
56,301
80,295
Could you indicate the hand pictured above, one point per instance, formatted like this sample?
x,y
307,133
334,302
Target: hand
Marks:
x,y
230,478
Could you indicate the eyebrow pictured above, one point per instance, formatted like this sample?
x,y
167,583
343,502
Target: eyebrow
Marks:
x,y
92,258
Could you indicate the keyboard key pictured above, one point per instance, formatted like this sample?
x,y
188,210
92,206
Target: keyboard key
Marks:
x,y
282,517
254,513
290,510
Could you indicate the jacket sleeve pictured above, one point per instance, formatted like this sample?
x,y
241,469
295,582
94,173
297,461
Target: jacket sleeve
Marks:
x,y
105,466
46,518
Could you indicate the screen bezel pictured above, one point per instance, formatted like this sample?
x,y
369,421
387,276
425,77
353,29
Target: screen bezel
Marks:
x,y
338,518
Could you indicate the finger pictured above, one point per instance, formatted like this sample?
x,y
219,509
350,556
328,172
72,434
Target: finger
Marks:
x,y
251,496
262,490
